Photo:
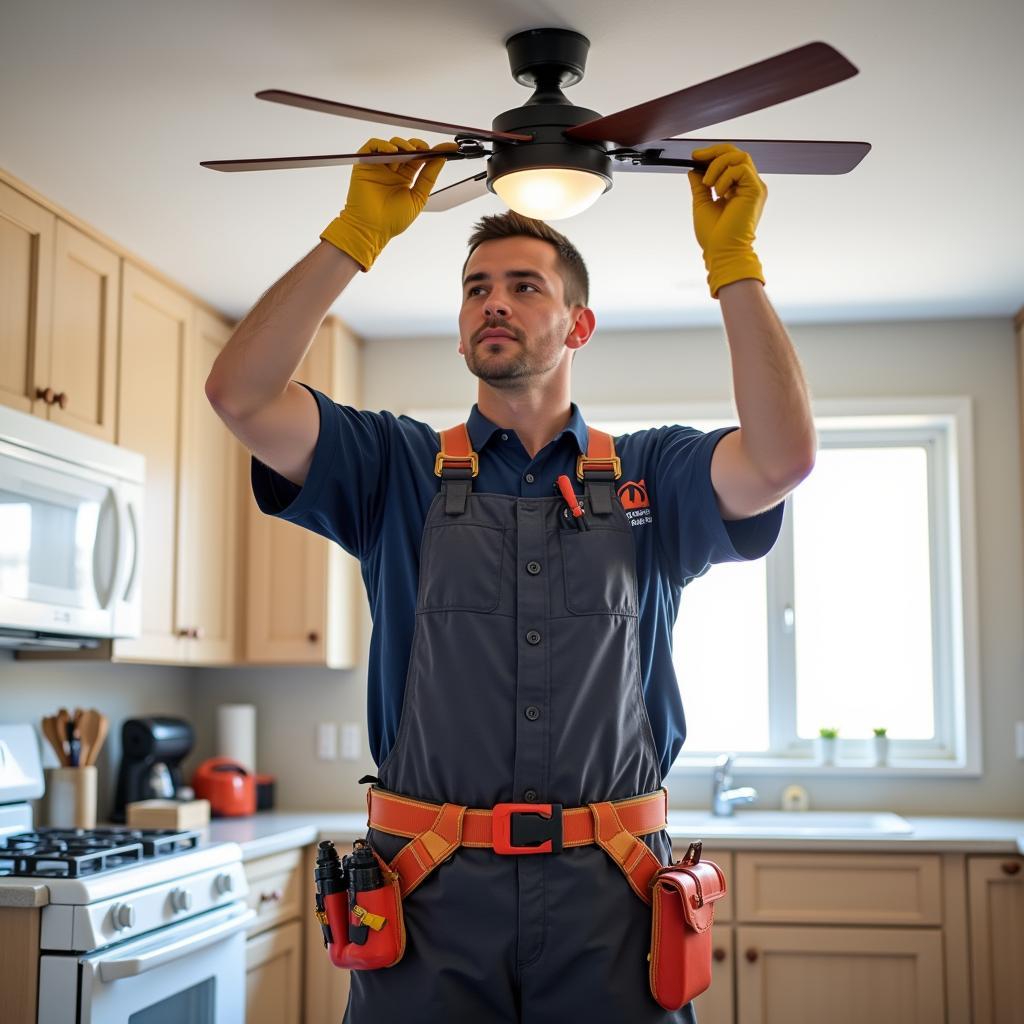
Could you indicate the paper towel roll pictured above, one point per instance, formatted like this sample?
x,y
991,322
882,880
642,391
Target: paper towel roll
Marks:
x,y
236,734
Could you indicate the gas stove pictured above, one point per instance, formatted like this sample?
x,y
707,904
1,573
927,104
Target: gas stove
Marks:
x,y
135,924
74,853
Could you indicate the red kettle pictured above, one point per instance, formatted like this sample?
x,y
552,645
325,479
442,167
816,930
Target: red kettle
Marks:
x,y
230,789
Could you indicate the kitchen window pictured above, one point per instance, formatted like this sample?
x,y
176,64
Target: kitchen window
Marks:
x,y
861,616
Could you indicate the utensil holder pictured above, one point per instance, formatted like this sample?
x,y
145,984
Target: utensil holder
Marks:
x,y
71,793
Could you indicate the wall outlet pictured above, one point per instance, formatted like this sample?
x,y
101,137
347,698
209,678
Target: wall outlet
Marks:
x,y
327,741
1020,741
351,744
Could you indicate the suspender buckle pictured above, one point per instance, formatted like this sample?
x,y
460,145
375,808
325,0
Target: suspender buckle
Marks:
x,y
470,461
612,465
535,828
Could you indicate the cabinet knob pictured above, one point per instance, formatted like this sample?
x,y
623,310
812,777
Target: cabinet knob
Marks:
x,y
1011,867
46,394
184,631
313,636
718,954
751,955
196,632
61,399
274,896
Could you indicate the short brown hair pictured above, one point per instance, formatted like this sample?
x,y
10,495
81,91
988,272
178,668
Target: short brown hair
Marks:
x,y
571,268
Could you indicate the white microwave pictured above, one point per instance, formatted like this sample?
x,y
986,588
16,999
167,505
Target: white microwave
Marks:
x,y
70,536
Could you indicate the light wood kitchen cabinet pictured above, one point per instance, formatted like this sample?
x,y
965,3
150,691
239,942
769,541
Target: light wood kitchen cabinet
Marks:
x,y
84,347
838,936
59,294
210,509
190,520
304,593
27,239
273,976
996,900
156,345
790,975
274,940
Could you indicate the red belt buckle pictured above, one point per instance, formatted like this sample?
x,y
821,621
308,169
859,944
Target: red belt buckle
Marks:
x,y
501,828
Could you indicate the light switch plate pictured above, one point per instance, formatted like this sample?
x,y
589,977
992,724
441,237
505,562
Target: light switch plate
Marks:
x,y
327,741
1020,741
350,742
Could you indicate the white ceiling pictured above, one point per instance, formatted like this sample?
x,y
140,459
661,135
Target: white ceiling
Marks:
x,y
109,105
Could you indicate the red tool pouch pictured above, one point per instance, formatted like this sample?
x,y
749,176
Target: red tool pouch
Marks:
x,y
683,899
363,929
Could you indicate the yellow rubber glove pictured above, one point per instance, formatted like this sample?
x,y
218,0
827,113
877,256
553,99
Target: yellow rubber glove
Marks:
x,y
725,226
383,199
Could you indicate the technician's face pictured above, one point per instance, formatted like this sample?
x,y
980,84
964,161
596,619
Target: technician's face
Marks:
x,y
511,284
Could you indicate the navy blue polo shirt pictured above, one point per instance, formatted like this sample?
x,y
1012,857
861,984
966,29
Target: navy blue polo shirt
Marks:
x,y
371,483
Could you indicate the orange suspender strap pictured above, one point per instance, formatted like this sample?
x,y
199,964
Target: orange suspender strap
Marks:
x,y
457,453
436,831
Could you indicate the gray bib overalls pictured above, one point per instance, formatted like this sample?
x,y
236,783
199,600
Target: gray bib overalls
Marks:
x,y
523,686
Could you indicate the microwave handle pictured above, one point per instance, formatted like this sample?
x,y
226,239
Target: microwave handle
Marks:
x,y
131,560
114,968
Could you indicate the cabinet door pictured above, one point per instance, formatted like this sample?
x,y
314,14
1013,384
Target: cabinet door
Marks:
x,y
840,975
83,361
156,326
996,898
273,967
326,986
209,549
718,1005
27,233
286,621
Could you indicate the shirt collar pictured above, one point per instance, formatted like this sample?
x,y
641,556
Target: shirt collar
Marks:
x,y
481,429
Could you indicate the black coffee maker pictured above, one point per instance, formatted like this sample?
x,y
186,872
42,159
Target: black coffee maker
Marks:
x,y
152,750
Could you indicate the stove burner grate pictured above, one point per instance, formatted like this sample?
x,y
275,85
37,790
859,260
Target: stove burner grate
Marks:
x,y
74,853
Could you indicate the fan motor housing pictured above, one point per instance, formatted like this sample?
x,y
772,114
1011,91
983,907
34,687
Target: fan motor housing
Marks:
x,y
547,123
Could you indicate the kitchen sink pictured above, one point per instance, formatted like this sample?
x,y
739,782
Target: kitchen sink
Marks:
x,y
784,824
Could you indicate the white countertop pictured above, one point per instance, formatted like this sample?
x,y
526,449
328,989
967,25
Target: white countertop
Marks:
x,y
274,831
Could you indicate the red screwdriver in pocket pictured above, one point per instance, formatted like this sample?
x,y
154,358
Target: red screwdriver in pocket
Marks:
x,y
564,484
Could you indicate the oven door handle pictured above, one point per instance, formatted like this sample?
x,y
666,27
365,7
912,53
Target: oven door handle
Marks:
x,y
130,966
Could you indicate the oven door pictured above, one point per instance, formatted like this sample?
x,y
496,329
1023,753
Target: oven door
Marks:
x,y
193,971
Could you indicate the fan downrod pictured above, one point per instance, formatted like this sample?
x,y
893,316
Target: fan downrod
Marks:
x,y
548,60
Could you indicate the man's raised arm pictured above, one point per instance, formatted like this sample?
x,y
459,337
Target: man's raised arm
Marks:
x,y
250,384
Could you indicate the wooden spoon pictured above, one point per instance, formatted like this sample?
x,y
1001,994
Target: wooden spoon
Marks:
x,y
102,725
52,732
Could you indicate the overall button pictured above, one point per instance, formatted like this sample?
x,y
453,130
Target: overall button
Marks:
x,y
530,795
533,637
533,713
530,478
533,568
504,437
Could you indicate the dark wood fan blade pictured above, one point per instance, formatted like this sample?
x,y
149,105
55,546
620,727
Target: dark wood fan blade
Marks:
x,y
457,194
784,77
294,99
279,163
770,156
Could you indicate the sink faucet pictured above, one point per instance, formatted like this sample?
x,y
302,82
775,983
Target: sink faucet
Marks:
x,y
723,799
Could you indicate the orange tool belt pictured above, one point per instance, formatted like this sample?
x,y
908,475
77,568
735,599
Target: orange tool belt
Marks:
x,y
438,830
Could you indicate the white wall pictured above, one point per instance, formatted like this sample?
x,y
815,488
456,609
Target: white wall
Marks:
x,y
31,689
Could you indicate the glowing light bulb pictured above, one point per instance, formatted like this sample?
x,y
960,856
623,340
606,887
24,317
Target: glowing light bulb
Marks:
x,y
549,193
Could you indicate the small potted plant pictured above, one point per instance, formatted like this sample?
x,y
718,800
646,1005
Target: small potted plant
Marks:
x,y
881,741
826,745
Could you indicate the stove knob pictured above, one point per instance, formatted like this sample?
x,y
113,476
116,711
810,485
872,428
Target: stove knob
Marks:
x,y
123,915
224,884
181,900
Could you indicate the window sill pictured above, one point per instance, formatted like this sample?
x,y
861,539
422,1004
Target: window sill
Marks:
x,y
795,767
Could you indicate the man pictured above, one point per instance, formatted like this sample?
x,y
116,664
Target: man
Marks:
x,y
520,665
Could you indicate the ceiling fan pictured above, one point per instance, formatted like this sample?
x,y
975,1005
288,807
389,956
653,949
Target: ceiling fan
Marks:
x,y
551,159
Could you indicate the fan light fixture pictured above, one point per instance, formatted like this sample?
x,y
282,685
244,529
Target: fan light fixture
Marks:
x,y
549,193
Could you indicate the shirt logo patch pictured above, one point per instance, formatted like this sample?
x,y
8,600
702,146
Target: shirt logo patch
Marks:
x,y
633,495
